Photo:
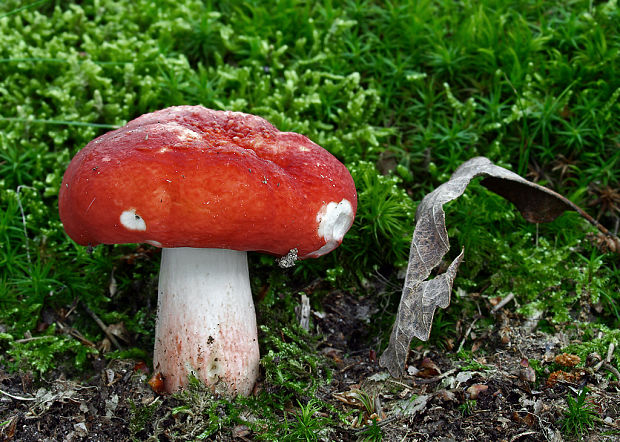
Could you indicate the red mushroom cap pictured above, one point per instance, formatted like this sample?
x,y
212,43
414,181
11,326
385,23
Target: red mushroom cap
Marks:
x,y
188,176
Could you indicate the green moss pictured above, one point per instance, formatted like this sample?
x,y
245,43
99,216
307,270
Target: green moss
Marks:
x,y
141,416
595,338
410,89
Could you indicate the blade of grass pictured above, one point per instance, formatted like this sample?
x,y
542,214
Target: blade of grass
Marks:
x,y
17,10
60,122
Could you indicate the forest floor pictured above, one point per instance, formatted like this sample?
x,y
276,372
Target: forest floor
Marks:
x,y
512,386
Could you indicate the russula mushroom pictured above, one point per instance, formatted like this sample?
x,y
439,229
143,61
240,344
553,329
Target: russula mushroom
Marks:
x,y
207,186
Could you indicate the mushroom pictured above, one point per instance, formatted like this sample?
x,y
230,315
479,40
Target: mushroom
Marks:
x,y
207,186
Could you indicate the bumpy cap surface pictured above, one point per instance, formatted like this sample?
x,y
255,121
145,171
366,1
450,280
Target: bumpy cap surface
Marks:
x,y
188,176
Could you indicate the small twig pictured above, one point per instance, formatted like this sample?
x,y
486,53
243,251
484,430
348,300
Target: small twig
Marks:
x,y
468,332
408,387
503,302
598,366
303,310
75,334
154,401
520,435
609,424
102,326
21,209
342,370
17,398
74,305
435,379
380,423
33,338
607,361
387,420
610,352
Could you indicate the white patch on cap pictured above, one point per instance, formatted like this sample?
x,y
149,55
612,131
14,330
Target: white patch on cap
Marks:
x,y
132,221
182,132
153,242
334,219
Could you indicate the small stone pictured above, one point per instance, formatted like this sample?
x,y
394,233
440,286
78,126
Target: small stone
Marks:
x,y
81,429
412,371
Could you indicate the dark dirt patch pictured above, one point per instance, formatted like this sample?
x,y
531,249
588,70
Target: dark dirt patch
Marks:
x,y
497,395
493,395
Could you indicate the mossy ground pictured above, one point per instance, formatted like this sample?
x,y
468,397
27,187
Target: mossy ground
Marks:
x,y
401,92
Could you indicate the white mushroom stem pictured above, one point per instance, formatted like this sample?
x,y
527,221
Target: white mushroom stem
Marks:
x,y
206,324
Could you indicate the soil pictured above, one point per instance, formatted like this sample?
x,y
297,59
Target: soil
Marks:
x,y
496,395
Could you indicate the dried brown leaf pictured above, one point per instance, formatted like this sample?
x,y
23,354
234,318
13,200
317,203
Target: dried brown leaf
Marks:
x,y
527,374
475,390
421,297
157,383
428,369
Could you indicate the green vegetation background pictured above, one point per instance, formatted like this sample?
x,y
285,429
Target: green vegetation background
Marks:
x,y
401,92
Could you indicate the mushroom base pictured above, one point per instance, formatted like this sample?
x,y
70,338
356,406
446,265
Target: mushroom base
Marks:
x,y
206,324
